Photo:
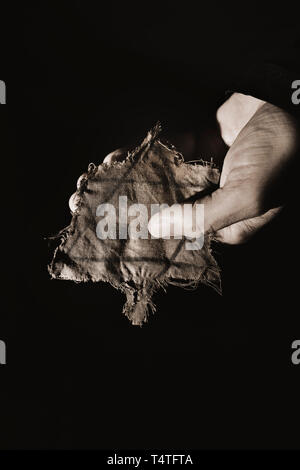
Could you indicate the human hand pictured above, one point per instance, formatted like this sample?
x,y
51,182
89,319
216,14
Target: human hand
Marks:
x,y
264,143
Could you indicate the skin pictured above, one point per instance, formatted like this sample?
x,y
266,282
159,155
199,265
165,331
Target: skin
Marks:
x,y
263,146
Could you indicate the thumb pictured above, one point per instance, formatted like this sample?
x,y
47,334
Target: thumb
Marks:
x,y
223,207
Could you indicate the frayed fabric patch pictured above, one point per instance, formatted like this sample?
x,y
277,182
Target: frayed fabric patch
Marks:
x,y
154,173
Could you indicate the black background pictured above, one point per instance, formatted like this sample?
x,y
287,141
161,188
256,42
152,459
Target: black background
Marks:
x,y
207,371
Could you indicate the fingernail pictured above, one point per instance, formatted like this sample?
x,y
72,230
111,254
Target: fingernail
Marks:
x,y
74,202
165,225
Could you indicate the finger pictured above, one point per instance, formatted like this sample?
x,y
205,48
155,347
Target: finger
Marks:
x,y
222,208
74,202
234,114
241,232
80,180
116,156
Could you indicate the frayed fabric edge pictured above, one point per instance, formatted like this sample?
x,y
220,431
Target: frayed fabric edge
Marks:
x,y
139,304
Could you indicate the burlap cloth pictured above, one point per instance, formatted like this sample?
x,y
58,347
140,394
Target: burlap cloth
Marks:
x,y
154,173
